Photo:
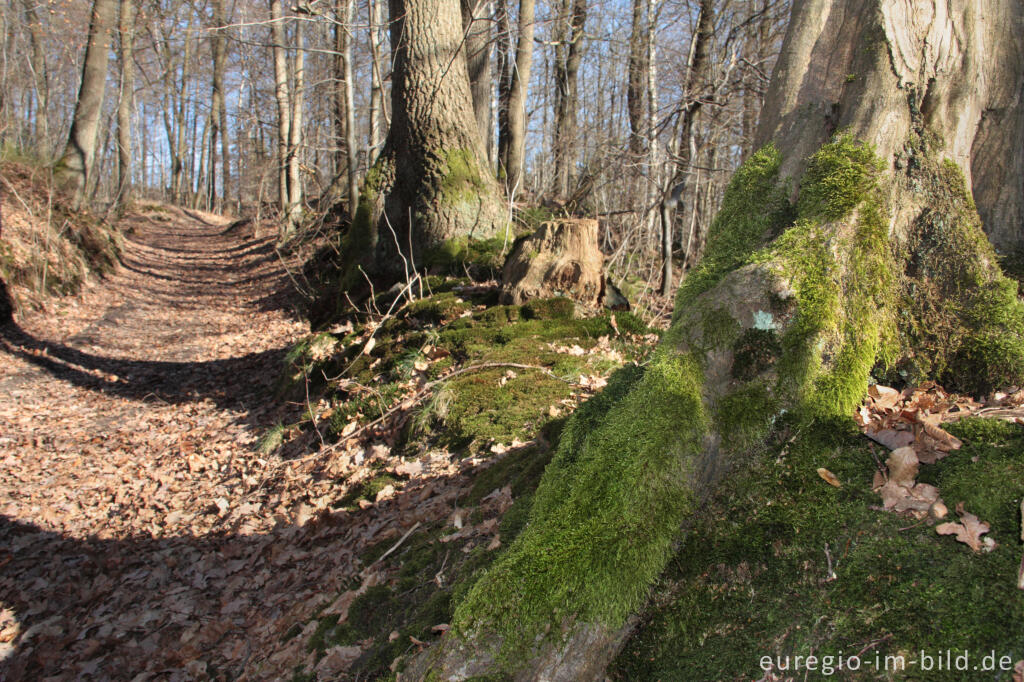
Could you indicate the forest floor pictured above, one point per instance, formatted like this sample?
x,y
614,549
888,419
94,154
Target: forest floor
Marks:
x,y
143,535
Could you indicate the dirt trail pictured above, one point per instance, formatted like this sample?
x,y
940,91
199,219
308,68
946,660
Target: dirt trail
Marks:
x,y
139,533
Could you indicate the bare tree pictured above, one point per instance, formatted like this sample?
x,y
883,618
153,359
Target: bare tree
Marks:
x,y
79,155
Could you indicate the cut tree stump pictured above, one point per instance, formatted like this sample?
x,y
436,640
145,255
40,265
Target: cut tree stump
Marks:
x,y
561,258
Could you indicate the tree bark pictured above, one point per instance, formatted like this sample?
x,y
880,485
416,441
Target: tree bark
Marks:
x,y
41,77
218,112
514,160
125,103
344,106
568,57
282,96
430,184
378,104
637,71
476,25
79,154
833,257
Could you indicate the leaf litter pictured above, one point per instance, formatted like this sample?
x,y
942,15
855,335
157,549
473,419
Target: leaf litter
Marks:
x,y
146,534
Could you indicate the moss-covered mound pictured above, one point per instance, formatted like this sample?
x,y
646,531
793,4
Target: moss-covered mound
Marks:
x,y
751,577
509,366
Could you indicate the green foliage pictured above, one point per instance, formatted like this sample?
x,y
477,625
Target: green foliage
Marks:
x,y
751,576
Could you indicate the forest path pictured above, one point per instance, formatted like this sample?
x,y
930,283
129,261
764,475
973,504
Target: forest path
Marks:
x,y
142,535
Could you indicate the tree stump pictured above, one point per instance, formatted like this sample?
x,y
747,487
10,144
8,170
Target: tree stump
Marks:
x,y
561,258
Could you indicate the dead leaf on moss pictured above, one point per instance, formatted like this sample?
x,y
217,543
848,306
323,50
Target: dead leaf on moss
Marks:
x,y
829,477
1018,672
968,531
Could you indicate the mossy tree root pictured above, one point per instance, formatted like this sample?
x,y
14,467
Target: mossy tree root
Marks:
x,y
794,309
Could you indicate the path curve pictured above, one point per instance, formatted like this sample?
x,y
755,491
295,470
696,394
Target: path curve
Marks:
x,y
139,538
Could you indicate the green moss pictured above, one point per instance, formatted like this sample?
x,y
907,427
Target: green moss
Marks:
x,y
961,315
754,353
751,579
485,257
626,479
844,291
754,208
460,176
558,308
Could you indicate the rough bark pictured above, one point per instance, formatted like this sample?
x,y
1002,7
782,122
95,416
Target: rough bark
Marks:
x,y
514,153
637,73
835,256
74,165
476,25
568,57
430,185
562,258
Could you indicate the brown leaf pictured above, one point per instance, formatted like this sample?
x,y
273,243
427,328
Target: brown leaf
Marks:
x,y
1018,672
968,531
829,477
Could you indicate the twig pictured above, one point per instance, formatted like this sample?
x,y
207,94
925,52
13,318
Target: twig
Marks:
x,y
394,547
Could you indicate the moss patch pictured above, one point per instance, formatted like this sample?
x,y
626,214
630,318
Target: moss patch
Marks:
x,y
571,561
751,577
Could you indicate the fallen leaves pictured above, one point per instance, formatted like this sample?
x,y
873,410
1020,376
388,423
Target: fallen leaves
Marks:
x,y
968,531
912,417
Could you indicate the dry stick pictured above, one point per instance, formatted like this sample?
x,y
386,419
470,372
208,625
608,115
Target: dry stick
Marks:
x,y
393,547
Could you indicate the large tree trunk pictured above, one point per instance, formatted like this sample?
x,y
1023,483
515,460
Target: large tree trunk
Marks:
x,y
72,168
832,257
430,184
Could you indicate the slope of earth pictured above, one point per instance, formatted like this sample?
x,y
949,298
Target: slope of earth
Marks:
x,y
127,422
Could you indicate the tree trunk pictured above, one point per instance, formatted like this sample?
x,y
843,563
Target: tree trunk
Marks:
x,y
378,110
568,57
476,26
295,193
284,111
73,167
218,112
41,76
637,71
125,103
697,76
430,186
514,161
833,257
344,108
